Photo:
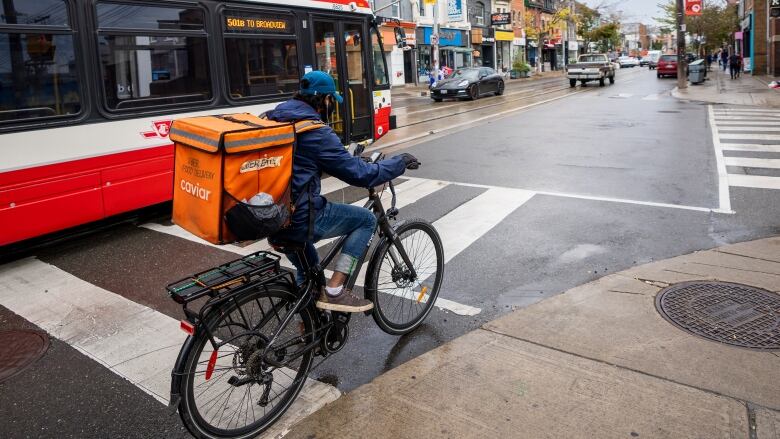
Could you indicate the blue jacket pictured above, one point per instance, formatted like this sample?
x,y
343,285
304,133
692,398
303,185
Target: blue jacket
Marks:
x,y
319,151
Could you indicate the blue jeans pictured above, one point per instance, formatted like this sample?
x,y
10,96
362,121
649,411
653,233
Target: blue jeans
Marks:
x,y
334,220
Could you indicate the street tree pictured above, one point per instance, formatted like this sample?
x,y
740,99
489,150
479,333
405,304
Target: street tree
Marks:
x,y
594,25
712,29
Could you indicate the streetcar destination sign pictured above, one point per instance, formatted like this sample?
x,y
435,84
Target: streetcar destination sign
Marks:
x,y
256,24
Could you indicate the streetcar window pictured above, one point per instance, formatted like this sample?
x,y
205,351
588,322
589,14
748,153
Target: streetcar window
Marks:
x,y
152,56
262,54
378,59
261,67
38,73
35,13
148,71
123,16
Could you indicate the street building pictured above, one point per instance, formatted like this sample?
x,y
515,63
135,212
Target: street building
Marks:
x,y
758,37
483,38
401,61
635,40
453,38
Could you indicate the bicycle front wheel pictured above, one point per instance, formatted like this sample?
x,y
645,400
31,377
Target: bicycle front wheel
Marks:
x,y
401,299
234,391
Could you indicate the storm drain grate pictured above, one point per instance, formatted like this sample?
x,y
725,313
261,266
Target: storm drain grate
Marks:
x,y
735,314
19,350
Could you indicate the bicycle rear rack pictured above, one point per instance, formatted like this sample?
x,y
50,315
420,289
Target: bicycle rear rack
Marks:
x,y
227,281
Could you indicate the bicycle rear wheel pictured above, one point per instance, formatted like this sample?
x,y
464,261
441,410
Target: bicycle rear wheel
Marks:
x,y
402,302
234,392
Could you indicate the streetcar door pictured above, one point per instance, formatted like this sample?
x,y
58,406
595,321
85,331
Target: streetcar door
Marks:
x,y
358,97
344,58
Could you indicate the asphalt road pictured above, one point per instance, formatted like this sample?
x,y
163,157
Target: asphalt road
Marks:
x,y
597,180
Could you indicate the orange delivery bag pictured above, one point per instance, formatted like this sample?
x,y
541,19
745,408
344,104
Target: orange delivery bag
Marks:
x,y
221,163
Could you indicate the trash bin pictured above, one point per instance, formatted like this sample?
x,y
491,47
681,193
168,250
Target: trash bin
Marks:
x,y
697,70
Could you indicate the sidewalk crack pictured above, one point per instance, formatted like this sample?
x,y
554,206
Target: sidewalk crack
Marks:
x,y
627,292
655,283
736,268
746,256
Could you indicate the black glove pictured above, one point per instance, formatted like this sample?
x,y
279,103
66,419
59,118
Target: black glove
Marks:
x,y
410,161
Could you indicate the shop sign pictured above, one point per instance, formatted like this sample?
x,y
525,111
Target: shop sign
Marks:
x,y
501,18
504,35
738,35
447,37
518,42
573,46
693,7
455,10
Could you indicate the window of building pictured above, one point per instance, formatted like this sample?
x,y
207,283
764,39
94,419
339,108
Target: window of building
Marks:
x,y
421,4
262,54
152,56
38,70
479,13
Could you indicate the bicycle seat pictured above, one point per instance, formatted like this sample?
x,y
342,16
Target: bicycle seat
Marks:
x,y
286,246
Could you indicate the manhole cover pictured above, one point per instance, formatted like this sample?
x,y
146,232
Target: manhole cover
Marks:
x,y
734,314
19,350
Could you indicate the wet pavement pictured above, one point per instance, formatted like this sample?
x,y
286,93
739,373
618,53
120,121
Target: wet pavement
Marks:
x,y
597,180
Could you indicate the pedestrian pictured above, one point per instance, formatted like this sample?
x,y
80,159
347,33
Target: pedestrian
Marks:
x,y
740,64
709,61
734,65
724,57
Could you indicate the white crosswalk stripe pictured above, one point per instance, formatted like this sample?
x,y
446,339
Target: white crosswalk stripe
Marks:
x,y
746,130
132,340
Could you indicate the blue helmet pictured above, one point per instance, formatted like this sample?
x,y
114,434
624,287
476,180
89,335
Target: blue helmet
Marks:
x,y
318,82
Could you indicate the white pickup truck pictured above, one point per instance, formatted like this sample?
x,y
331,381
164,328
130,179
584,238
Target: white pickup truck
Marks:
x,y
591,67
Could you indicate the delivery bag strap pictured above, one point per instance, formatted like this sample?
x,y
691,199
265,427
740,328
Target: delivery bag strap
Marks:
x,y
230,118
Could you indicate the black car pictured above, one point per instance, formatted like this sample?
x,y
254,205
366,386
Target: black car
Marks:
x,y
470,82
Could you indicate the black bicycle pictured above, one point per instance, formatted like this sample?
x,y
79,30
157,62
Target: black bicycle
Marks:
x,y
255,333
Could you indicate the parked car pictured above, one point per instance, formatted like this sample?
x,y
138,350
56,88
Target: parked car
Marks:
x,y
627,61
667,66
643,61
470,82
591,67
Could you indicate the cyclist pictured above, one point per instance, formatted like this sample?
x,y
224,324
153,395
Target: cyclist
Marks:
x,y
319,151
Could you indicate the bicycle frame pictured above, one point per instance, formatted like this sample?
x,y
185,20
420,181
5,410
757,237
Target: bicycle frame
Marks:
x,y
315,275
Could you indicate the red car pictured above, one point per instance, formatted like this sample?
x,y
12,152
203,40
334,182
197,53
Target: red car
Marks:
x,y
667,66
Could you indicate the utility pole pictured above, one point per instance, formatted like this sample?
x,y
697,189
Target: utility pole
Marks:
x,y
682,81
435,40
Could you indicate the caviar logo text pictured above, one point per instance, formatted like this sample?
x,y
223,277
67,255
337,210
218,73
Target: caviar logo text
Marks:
x,y
195,190
265,162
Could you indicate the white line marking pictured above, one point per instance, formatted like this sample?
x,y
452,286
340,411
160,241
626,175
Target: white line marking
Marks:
x,y
723,127
723,178
747,118
331,184
748,110
627,201
754,181
651,97
133,341
747,113
749,136
472,219
749,147
179,232
747,162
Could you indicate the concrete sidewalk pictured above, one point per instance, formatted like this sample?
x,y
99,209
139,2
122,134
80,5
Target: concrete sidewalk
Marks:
x,y
597,361
719,88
